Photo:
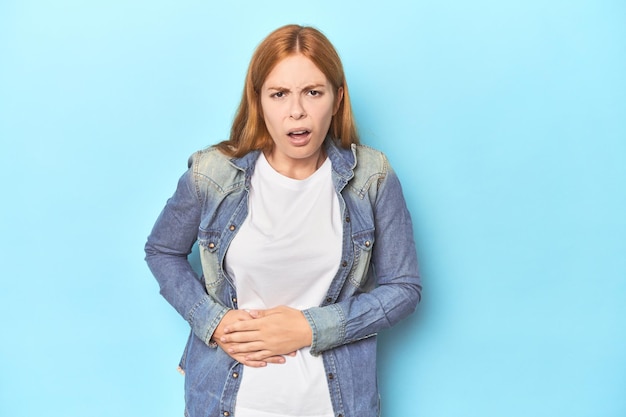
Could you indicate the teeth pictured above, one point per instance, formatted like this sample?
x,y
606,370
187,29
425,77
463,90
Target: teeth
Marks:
x,y
300,132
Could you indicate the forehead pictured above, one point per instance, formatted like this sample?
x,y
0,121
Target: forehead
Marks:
x,y
294,70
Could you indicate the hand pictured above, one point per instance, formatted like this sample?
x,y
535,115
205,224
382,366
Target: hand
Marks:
x,y
271,333
230,318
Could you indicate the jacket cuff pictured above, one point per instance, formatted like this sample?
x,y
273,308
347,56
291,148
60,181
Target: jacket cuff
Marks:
x,y
328,326
204,318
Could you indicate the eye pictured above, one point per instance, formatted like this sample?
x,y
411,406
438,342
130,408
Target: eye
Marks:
x,y
278,94
315,93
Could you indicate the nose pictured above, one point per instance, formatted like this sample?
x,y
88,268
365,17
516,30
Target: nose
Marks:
x,y
297,110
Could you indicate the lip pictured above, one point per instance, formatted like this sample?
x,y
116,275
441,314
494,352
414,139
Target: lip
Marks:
x,y
298,129
300,140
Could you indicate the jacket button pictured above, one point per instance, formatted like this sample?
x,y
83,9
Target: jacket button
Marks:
x,y
234,300
235,375
367,243
329,300
331,376
344,264
226,413
232,227
347,219
211,245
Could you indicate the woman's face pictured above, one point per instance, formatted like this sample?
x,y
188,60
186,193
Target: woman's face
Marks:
x,y
298,104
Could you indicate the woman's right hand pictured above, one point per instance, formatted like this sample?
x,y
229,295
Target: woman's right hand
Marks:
x,y
233,316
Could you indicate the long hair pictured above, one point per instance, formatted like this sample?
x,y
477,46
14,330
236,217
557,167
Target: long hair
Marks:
x,y
248,131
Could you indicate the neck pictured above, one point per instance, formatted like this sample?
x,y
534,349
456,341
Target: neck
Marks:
x,y
298,169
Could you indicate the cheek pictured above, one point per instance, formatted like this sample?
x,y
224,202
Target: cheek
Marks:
x,y
325,114
269,116
273,112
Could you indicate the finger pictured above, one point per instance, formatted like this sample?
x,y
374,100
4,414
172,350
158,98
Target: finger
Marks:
x,y
264,355
241,358
258,361
241,326
253,364
240,337
275,359
244,349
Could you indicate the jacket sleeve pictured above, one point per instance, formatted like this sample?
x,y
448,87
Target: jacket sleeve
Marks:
x,y
398,284
167,248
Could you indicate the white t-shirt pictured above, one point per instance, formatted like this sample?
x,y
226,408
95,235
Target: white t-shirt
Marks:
x,y
286,252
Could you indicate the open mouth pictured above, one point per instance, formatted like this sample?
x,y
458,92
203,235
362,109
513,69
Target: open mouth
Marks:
x,y
299,134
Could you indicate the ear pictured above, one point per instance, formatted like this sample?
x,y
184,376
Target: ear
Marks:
x,y
338,99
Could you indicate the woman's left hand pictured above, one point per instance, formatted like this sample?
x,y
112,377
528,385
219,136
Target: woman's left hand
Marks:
x,y
277,331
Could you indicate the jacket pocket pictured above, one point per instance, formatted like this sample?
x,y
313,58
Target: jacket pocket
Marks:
x,y
360,276
208,244
208,240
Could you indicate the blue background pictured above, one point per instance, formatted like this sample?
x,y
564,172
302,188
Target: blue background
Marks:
x,y
504,120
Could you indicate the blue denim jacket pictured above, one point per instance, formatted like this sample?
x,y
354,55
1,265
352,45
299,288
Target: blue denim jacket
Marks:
x,y
377,283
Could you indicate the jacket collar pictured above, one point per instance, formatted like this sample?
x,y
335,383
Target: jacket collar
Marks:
x,y
343,160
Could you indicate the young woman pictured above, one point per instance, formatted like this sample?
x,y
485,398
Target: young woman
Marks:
x,y
305,242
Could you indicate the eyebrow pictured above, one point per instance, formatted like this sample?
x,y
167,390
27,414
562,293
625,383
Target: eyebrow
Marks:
x,y
306,87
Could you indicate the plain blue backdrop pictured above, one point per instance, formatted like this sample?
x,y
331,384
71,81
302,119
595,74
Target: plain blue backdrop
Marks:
x,y
504,120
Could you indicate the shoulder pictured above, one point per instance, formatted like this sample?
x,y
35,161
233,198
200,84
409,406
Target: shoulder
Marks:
x,y
370,169
370,160
206,158
212,167
371,165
